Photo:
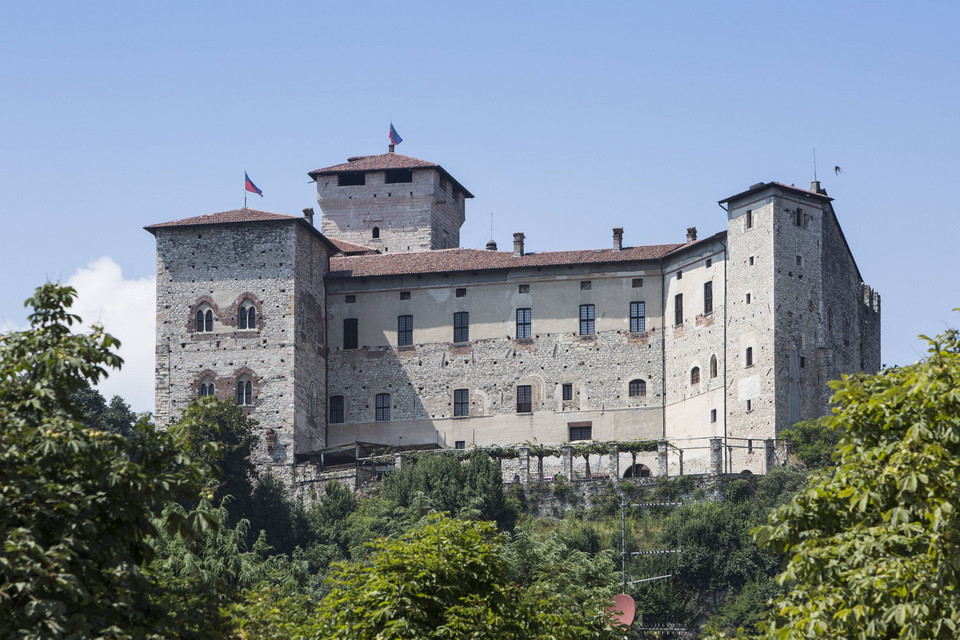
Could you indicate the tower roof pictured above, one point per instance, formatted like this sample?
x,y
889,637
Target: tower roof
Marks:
x,y
383,162
241,216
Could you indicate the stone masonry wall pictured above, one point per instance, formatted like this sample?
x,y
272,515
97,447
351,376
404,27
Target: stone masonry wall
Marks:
x,y
219,265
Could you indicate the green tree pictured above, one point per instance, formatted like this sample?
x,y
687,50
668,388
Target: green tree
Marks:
x,y
447,578
874,543
76,502
813,442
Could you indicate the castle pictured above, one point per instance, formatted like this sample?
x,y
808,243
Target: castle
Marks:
x,y
375,327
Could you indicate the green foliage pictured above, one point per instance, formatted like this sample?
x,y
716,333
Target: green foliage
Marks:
x,y
449,579
874,542
813,442
76,502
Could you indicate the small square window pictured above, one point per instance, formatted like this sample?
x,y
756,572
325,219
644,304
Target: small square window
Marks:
x,y
585,285
461,292
637,283
404,295
713,415
460,444
568,391
524,288
680,274
751,261
351,299
709,262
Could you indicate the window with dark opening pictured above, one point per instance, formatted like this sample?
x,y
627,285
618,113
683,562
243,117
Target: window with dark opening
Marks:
x,y
206,387
637,283
707,298
404,330
376,233
461,326
680,274
748,358
404,295
749,406
244,391
749,219
248,315
461,402
567,391
204,319
638,317
350,333
695,375
678,309
524,288
581,432
713,415
713,366
798,217
461,292
350,299
799,261
460,444
587,320
638,388
336,409
524,399
748,298
523,323
586,285
392,176
383,407
351,179
709,262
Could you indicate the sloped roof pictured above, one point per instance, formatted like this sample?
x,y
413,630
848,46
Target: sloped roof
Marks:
x,y
240,216
788,187
452,260
352,248
385,161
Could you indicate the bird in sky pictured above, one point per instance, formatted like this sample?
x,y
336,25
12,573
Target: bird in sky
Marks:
x,y
837,170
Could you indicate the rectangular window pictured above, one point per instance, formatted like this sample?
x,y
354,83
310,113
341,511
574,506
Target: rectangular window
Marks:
x,y
460,444
748,298
383,407
587,320
461,402
680,274
461,326
638,317
637,283
749,219
580,431
709,262
586,285
461,292
803,362
707,298
678,309
713,415
749,406
350,299
350,333
392,176
751,261
523,323
351,179
524,399
799,261
336,409
798,218
404,295
524,288
748,359
404,331
568,391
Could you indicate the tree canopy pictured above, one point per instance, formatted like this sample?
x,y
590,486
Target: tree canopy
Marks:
x,y
874,542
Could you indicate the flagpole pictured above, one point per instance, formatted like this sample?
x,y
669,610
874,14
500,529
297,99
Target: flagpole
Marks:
x,y
244,188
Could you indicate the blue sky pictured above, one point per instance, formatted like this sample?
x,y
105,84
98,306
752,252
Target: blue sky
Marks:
x,y
565,120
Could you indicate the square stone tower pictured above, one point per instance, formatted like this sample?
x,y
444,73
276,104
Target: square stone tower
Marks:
x,y
392,203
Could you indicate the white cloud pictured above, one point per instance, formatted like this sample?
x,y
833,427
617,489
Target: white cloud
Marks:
x,y
127,311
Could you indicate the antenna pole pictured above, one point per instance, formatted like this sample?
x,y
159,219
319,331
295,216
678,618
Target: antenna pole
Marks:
x,y
814,164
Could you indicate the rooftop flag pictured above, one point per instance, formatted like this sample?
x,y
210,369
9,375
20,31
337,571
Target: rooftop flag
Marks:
x,y
394,136
249,186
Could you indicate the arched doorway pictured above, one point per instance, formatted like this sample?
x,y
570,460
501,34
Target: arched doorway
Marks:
x,y
637,471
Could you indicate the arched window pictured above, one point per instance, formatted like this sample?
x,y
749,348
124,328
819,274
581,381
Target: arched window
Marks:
x,y
204,318
713,366
376,232
638,388
383,407
244,391
206,387
695,375
248,315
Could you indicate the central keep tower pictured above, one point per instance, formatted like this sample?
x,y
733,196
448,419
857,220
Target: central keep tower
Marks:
x,y
392,203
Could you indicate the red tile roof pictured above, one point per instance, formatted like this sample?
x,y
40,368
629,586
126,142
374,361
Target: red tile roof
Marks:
x,y
789,187
224,217
352,248
386,161
451,260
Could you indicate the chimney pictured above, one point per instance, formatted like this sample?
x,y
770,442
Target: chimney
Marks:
x,y
491,245
691,234
816,188
308,214
518,244
617,238
390,148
